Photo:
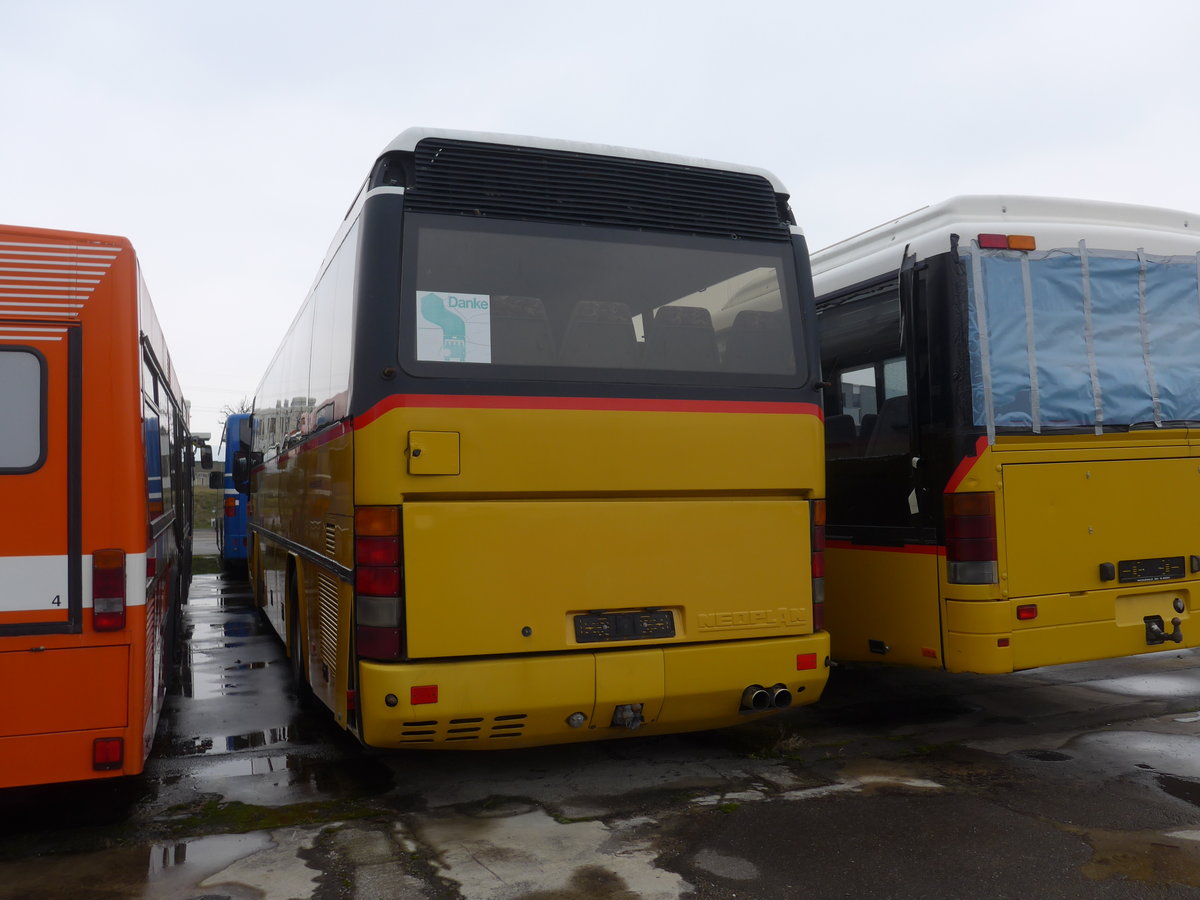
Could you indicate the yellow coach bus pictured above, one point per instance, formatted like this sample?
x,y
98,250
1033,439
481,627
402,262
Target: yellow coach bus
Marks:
x,y
1013,434
540,458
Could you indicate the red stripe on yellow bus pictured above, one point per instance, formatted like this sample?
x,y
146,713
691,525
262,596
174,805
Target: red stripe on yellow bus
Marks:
x,y
965,464
619,404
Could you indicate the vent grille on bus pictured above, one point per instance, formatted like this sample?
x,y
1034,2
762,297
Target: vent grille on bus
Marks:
x,y
327,592
495,728
467,178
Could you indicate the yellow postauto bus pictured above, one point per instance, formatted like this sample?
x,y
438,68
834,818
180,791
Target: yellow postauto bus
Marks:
x,y
1013,434
540,459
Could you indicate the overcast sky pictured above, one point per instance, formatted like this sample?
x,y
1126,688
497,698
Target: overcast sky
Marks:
x,y
226,140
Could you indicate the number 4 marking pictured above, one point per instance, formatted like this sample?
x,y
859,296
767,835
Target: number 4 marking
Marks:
x,y
57,601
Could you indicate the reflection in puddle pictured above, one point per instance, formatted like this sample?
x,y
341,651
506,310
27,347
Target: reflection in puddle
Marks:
x,y
280,780
202,744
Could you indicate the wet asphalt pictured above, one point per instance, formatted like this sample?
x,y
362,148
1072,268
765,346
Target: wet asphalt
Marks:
x,y
1077,781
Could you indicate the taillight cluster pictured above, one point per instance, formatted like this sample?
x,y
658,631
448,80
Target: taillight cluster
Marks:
x,y
971,538
230,507
818,564
108,590
378,585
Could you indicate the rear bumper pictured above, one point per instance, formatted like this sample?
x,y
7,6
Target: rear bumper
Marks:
x,y
1067,628
527,701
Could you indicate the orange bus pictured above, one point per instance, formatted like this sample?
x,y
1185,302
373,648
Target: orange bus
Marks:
x,y
95,545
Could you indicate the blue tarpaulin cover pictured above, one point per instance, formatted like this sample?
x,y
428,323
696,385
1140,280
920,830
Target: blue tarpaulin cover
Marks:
x,y
1083,338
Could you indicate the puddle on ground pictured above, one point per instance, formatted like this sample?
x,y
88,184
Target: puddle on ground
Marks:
x,y
1184,789
1180,684
204,744
281,780
1044,755
1174,754
166,871
1147,856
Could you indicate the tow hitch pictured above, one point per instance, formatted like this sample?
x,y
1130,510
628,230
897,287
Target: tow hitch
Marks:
x,y
1156,631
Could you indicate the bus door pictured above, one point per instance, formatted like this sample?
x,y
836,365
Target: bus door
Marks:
x,y
881,558
40,565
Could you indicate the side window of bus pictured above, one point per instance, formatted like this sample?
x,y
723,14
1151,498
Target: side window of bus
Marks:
x,y
22,410
873,420
867,409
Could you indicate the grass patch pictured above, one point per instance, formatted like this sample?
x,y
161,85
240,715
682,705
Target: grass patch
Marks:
x,y
206,565
215,817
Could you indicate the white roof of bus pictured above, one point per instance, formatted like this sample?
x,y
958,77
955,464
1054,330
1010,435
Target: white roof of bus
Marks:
x,y
407,141
1053,221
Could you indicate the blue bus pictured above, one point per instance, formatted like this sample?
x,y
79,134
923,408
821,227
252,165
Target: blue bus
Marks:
x,y
231,525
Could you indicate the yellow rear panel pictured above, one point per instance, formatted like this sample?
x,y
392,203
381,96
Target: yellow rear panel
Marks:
x,y
510,576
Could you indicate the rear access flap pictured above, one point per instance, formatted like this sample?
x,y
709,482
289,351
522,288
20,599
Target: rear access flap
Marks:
x,y
541,576
1085,526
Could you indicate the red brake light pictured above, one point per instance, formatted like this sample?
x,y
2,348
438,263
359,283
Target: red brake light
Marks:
x,y
971,556
230,507
108,590
378,583
108,754
377,551
1027,611
806,661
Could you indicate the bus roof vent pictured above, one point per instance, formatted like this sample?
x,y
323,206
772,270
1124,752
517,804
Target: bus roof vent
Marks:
x,y
475,179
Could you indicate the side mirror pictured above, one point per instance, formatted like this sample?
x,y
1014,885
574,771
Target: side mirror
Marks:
x,y
216,480
206,457
241,471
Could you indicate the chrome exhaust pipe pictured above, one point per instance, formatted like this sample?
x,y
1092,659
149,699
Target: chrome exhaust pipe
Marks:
x,y
781,697
755,699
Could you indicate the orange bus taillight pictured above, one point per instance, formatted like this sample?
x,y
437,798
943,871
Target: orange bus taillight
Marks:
x,y
971,538
378,585
818,564
230,507
108,590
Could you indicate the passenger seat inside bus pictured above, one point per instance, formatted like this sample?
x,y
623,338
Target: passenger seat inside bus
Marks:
x,y
521,333
600,334
890,435
841,436
682,338
758,341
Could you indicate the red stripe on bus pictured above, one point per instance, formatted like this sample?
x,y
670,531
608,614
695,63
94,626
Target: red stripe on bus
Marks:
x,y
324,437
965,464
626,404
919,549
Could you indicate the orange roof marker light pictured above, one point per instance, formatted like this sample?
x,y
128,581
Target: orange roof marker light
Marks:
x,y
1007,241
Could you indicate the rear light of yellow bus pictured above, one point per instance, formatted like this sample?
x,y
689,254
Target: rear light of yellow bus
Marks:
x,y
818,564
108,590
378,584
971,538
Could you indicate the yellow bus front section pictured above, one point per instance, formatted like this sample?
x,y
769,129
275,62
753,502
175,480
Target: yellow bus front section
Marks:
x,y
575,574
1098,553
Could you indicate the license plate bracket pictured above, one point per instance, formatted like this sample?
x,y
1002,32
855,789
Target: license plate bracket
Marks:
x,y
624,625
1141,571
